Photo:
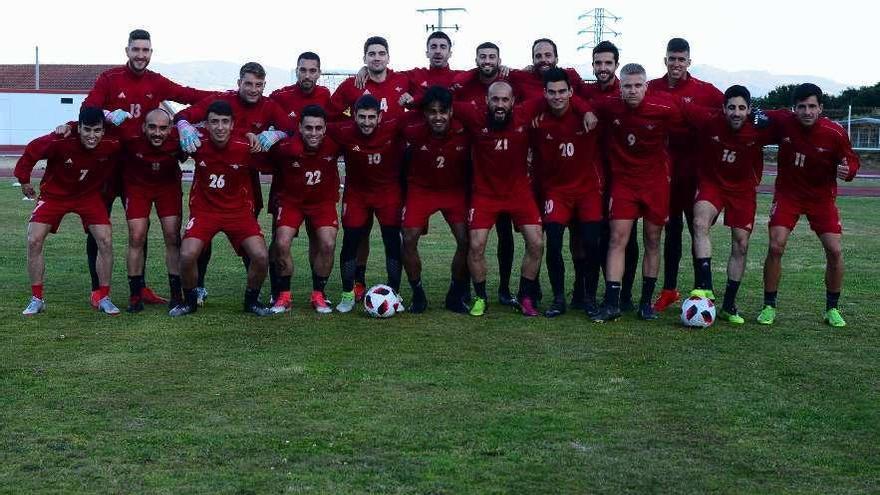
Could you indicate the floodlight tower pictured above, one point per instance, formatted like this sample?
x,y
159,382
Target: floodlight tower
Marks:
x,y
597,25
440,11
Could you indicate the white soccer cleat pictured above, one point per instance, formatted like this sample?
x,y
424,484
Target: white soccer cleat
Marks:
x,y
36,305
105,305
346,302
201,295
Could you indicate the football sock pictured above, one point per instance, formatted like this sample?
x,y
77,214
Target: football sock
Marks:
x,y
612,294
555,265
703,273
251,296
770,298
135,284
191,297
580,279
175,285
92,257
318,282
360,274
273,278
504,227
648,285
392,241
37,291
831,299
284,283
730,295
480,289
204,259
591,236
672,252
630,264
351,237
103,291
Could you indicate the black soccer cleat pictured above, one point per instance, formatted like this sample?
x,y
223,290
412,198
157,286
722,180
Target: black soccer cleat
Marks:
x,y
607,313
646,312
456,303
183,309
627,306
591,308
135,305
419,302
555,309
258,309
505,298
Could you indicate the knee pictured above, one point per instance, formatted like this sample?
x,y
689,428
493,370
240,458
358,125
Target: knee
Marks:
x,y
702,224
136,239
535,246
327,247
834,254
35,243
741,247
410,239
776,249
172,239
259,259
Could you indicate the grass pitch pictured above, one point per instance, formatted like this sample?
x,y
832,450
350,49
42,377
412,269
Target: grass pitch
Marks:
x,y
221,402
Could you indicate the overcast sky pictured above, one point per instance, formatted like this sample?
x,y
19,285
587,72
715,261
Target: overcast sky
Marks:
x,y
837,40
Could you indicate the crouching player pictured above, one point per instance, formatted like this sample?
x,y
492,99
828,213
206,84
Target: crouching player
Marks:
x,y
307,179
221,200
78,166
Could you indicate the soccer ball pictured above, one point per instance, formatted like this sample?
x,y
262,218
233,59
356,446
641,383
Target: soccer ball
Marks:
x,y
697,312
381,301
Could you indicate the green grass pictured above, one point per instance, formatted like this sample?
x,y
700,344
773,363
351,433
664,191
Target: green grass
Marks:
x,y
220,402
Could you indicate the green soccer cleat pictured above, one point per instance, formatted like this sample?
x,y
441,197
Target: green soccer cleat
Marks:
x,y
346,302
733,317
704,293
833,318
478,307
767,315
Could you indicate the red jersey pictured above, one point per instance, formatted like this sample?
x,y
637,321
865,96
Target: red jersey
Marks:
x,y
292,100
72,170
306,176
137,94
733,159
589,91
422,78
500,156
809,156
438,163
372,163
254,118
222,177
468,88
566,156
388,93
148,167
637,137
530,84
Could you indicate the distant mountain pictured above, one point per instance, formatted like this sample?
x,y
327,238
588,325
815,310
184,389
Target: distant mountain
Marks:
x,y
759,82
217,74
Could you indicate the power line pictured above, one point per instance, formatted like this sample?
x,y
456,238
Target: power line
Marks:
x,y
597,26
440,11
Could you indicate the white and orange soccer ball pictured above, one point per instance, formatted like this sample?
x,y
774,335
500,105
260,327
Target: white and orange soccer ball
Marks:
x,y
697,312
381,301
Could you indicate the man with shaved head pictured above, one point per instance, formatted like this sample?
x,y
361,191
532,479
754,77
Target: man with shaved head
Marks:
x,y
151,176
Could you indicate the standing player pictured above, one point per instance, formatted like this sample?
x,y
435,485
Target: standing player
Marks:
x,y
152,176
606,59
685,160
127,94
221,201
638,127
77,167
569,175
293,99
732,147
308,189
256,116
529,84
813,153
439,155
373,154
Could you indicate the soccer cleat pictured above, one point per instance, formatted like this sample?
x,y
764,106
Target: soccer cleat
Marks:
x,y
555,309
767,315
36,305
258,309
527,306
201,296
282,303
704,293
455,302
577,303
419,302
591,308
174,302
627,306
606,313
731,316
320,303
833,318
646,312
505,298
667,298
359,291
478,306
94,297
105,305
399,307
182,309
346,302
150,297
135,305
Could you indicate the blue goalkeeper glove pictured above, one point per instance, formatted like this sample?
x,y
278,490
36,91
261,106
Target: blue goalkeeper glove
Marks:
x,y
116,117
189,136
268,139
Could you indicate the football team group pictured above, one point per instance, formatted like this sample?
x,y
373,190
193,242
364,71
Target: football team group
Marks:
x,y
533,151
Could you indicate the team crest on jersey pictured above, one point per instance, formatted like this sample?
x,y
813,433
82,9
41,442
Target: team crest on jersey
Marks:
x,y
821,150
650,127
424,84
139,155
786,139
717,139
329,158
687,99
424,148
292,115
459,148
485,130
296,165
398,89
149,96
156,166
549,137
355,148
258,125
616,121
121,94
235,166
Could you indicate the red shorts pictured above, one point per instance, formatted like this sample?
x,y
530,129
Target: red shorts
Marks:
x,y
421,204
139,202
237,226
485,210
91,210
822,214
357,207
739,206
628,202
567,207
317,214
682,194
